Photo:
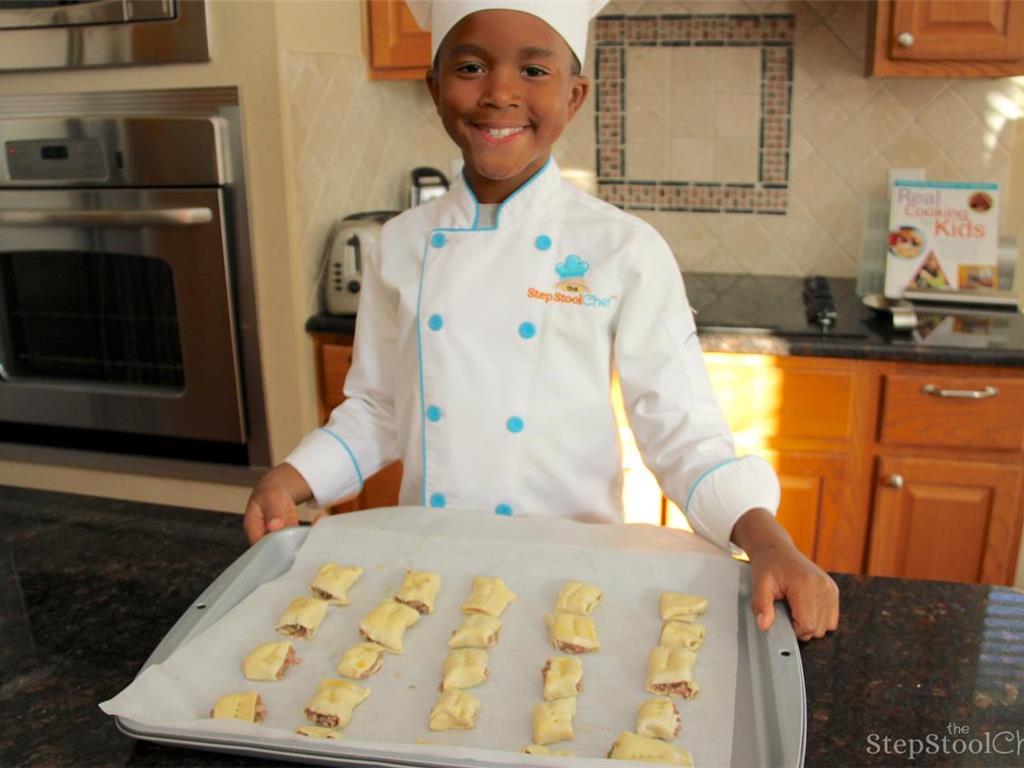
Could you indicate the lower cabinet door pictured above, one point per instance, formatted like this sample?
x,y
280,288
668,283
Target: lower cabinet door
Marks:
x,y
814,496
944,519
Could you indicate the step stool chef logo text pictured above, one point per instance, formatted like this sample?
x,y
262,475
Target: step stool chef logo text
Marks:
x,y
571,288
957,740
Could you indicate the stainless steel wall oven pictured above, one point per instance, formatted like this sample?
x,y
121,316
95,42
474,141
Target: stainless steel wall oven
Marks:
x,y
127,318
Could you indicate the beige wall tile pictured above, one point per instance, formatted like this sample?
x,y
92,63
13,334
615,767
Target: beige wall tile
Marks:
x,y
735,159
946,117
734,70
738,114
691,159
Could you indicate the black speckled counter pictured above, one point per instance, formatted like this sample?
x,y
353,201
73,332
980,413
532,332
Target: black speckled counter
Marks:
x,y
765,315
88,587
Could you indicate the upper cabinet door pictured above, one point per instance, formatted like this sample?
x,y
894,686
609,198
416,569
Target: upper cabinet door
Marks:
x,y
982,30
397,48
948,38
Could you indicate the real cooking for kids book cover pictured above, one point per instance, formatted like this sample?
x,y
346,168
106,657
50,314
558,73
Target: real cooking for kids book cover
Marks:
x,y
942,234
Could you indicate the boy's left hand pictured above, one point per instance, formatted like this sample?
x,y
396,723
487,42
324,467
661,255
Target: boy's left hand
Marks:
x,y
780,571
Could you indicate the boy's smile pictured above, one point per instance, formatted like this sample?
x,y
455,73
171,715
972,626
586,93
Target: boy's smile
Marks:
x,y
505,89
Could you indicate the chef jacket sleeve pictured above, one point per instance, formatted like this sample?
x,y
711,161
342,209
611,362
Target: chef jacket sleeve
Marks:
x,y
679,427
360,436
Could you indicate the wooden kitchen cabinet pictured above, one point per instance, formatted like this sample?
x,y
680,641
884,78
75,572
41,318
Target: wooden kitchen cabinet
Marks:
x,y
396,48
947,38
333,355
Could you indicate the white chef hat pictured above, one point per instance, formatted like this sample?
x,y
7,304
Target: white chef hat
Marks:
x,y
569,18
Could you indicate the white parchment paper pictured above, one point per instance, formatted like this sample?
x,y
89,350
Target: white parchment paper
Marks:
x,y
632,564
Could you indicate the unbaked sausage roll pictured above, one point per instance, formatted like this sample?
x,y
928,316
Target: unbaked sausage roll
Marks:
x,y
455,709
464,668
676,606
303,616
658,719
552,721
386,624
247,707
571,633
362,660
489,596
577,597
419,590
317,732
333,582
670,672
334,701
563,677
478,631
630,746
537,749
682,634
269,661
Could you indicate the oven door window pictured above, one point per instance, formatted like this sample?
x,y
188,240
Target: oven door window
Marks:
x,y
91,317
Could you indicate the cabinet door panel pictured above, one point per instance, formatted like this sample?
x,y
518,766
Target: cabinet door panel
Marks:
x,y
945,519
981,30
396,41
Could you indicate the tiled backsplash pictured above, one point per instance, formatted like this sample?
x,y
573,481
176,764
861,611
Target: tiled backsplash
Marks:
x,y
689,110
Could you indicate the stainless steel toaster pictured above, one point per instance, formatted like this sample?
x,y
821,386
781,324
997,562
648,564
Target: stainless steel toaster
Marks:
x,y
346,260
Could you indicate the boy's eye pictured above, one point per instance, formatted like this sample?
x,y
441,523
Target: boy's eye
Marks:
x,y
470,68
533,71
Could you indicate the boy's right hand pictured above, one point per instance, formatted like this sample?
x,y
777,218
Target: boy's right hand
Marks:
x,y
271,505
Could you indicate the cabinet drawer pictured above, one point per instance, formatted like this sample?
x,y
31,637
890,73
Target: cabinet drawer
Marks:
x,y
765,397
956,411
335,362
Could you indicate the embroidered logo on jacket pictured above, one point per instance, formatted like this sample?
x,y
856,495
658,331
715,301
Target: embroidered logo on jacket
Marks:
x,y
571,287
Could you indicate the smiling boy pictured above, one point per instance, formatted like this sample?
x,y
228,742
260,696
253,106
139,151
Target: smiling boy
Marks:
x,y
491,320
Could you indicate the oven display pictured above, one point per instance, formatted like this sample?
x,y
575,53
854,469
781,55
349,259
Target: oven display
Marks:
x,y
55,160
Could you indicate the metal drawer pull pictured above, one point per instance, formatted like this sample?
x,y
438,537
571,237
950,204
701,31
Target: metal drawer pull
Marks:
x,y
894,481
964,394
155,217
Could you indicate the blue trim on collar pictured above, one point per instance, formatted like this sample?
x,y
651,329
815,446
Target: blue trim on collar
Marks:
x,y
501,206
351,455
704,474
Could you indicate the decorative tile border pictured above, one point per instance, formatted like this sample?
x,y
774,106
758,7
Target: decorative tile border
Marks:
x,y
772,33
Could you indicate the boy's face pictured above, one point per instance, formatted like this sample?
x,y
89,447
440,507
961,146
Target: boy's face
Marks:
x,y
505,90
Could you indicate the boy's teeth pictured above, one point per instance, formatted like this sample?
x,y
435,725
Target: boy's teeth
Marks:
x,y
500,133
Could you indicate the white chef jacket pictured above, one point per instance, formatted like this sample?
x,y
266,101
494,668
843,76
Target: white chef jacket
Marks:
x,y
483,360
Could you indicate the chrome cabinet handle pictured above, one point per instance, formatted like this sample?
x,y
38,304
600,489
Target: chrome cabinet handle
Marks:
x,y
894,481
156,217
963,394
905,39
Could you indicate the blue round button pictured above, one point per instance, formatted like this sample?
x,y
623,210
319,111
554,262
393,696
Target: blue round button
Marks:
x,y
438,239
515,424
527,330
435,322
503,509
437,500
434,413
543,242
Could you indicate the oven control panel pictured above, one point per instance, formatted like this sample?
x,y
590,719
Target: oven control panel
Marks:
x,y
55,159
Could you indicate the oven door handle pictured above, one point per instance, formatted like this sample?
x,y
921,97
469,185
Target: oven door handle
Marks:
x,y
155,217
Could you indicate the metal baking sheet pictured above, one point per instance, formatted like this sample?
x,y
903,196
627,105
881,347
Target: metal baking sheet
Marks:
x,y
770,714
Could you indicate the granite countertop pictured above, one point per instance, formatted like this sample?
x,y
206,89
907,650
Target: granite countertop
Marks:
x,y
89,586
765,315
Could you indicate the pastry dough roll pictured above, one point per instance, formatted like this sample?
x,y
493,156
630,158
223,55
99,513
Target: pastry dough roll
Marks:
x,y
478,631
489,596
577,597
563,677
658,719
571,633
419,590
630,746
455,709
362,660
302,617
464,668
680,605
247,706
552,721
269,661
386,625
334,701
332,582
670,672
682,634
